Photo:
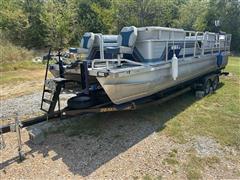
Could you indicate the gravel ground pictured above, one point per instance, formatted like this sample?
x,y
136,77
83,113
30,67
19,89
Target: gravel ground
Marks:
x,y
123,148
26,106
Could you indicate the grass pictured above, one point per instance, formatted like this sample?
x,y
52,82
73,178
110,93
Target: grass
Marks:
x,y
18,74
14,58
234,65
16,65
11,53
13,77
195,165
216,115
171,159
20,65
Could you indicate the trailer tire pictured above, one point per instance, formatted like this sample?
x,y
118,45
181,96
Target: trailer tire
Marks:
x,y
207,87
215,83
80,102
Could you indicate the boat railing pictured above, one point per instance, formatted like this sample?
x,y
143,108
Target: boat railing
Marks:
x,y
205,43
108,63
99,36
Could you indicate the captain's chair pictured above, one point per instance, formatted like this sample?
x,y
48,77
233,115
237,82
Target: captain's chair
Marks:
x,y
86,43
126,41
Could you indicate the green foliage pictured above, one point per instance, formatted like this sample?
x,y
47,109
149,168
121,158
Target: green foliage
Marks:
x,y
145,12
11,53
13,21
59,18
94,16
13,58
192,15
228,12
35,33
37,23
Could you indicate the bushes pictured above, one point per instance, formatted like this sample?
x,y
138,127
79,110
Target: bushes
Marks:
x,y
14,57
11,53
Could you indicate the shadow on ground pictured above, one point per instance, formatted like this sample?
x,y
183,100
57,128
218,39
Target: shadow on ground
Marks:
x,y
85,144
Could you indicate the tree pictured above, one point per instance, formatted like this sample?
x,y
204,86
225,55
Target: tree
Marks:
x,y
94,16
146,12
35,23
167,12
124,13
59,18
228,13
193,14
36,31
13,21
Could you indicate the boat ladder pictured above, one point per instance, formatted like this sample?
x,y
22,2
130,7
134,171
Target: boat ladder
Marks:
x,y
52,87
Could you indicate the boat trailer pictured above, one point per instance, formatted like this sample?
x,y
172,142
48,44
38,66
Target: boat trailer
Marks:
x,y
67,113
107,107
100,106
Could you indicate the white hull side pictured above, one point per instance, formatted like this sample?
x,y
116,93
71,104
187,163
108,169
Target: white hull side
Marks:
x,y
142,84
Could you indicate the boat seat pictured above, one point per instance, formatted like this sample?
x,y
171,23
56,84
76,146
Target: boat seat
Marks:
x,y
86,43
126,41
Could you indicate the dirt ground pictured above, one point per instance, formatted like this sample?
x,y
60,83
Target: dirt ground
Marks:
x,y
21,83
124,148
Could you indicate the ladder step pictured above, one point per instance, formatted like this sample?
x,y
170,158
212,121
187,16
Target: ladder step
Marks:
x,y
44,110
48,91
47,101
58,80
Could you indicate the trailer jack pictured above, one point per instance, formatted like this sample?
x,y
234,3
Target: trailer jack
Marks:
x,y
16,127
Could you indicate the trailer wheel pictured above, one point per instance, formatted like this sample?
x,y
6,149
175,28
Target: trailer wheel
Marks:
x,y
207,87
80,102
215,83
